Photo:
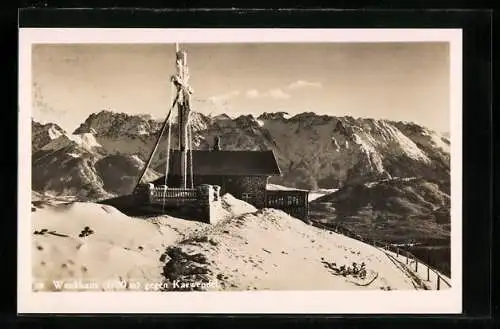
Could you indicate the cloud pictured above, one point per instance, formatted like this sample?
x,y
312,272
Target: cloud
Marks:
x,y
273,93
252,93
304,84
278,94
218,99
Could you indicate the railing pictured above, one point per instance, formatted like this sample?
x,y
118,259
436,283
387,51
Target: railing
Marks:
x,y
409,258
292,202
159,194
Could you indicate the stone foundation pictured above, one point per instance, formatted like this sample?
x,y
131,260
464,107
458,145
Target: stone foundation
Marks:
x,y
202,204
209,202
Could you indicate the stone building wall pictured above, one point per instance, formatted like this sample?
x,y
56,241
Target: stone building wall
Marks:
x,y
248,188
255,186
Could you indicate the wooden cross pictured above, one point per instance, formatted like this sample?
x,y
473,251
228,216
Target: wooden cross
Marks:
x,y
184,91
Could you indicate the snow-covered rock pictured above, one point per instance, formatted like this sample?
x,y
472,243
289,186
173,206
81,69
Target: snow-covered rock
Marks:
x,y
42,134
274,116
109,123
86,141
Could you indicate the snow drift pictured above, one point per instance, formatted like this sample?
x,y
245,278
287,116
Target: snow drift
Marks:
x,y
248,250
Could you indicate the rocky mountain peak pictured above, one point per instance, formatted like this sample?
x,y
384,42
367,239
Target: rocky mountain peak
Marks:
x,y
199,121
110,123
247,121
221,117
42,134
115,124
274,116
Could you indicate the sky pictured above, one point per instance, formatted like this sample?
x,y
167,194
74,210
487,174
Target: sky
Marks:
x,y
396,81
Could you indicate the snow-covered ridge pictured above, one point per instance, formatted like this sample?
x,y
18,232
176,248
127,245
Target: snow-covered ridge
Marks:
x,y
393,179
313,194
86,140
425,136
115,123
274,116
391,138
54,132
222,117
42,134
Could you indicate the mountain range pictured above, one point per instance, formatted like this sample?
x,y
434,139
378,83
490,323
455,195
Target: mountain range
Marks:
x,y
313,151
370,161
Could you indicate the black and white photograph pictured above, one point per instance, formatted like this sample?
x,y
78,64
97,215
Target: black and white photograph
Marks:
x,y
220,170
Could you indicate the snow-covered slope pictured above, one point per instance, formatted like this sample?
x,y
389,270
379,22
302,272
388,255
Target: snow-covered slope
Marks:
x,y
258,251
277,187
62,253
395,210
120,173
86,141
313,195
249,250
330,151
66,167
67,171
79,165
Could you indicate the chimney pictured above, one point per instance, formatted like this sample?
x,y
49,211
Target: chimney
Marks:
x,y
216,143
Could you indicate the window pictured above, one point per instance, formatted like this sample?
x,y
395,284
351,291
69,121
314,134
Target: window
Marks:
x,y
246,196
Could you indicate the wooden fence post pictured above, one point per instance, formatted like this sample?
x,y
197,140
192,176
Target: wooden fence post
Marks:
x,y
438,282
406,258
416,265
428,273
397,252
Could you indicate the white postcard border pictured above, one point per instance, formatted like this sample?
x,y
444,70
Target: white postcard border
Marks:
x,y
310,302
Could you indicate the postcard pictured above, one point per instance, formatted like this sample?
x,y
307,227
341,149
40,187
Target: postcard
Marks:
x,y
240,171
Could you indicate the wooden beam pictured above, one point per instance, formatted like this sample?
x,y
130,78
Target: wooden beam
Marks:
x,y
162,130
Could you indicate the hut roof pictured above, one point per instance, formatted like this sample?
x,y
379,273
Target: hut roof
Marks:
x,y
237,163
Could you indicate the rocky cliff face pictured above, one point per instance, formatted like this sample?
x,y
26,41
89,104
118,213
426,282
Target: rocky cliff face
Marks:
x,y
42,134
339,151
109,123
